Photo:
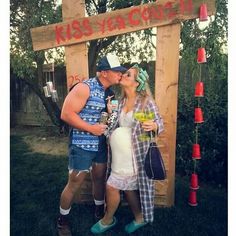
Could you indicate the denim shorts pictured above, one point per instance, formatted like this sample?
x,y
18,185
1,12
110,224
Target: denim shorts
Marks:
x,y
80,159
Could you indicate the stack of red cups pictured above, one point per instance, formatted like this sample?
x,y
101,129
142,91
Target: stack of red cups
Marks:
x,y
198,116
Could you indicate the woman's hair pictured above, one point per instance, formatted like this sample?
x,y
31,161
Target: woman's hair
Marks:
x,y
143,94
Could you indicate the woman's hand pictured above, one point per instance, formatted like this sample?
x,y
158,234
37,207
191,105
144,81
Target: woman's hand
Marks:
x,y
149,125
109,105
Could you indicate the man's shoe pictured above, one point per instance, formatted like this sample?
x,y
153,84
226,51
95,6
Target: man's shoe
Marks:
x,y
63,227
99,211
99,228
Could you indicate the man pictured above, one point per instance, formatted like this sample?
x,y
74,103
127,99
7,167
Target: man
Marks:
x,y
87,148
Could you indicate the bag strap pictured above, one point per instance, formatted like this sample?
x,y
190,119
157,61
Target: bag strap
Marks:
x,y
152,133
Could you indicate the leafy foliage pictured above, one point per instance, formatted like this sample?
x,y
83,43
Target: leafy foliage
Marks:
x,y
25,15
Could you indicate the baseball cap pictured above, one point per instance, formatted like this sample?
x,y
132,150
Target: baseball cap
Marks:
x,y
110,62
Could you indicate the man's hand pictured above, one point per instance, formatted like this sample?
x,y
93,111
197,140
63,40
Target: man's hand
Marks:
x,y
98,129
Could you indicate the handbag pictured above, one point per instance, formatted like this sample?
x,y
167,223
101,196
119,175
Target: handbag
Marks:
x,y
154,165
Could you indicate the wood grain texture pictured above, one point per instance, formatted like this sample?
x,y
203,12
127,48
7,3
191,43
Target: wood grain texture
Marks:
x,y
76,55
166,95
76,29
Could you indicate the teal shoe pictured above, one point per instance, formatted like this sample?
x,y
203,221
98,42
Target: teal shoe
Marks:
x,y
99,228
133,226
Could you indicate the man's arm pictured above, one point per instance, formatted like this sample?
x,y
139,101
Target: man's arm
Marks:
x,y
74,103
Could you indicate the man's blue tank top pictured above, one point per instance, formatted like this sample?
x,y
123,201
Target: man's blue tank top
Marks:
x,y
91,114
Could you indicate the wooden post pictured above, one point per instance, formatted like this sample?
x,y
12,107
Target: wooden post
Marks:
x,y
77,70
76,55
166,95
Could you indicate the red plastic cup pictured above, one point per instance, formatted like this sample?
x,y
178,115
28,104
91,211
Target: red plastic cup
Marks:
x,y
196,154
199,89
198,116
192,200
203,15
201,55
194,182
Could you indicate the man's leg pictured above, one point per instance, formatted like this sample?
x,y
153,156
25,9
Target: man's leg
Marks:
x,y
99,183
75,180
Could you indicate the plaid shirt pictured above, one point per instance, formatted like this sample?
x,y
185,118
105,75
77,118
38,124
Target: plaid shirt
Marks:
x,y
140,148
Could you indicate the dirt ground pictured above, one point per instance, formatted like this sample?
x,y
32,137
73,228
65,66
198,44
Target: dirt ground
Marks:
x,y
45,140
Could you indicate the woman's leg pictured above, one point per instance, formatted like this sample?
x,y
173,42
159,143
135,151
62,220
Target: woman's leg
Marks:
x,y
112,203
132,197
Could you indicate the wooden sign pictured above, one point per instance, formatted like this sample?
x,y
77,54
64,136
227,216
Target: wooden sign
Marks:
x,y
122,21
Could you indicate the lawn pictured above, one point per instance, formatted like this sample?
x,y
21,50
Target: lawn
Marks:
x,y
37,180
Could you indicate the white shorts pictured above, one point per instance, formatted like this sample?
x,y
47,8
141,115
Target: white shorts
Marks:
x,y
123,182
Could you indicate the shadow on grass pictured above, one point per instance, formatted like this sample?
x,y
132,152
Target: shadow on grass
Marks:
x,y
38,179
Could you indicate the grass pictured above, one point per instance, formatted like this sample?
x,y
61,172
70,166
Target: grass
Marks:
x,y
38,179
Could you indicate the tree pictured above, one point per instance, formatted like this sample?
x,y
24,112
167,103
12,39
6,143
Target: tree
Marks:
x,y
27,64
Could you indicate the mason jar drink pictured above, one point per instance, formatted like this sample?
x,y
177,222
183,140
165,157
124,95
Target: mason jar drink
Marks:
x,y
103,118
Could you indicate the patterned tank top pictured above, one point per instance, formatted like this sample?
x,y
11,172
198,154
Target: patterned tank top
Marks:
x,y
91,114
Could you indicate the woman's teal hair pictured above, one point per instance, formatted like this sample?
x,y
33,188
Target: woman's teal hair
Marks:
x,y
142,78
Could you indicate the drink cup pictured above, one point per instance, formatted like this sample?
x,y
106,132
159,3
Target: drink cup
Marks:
x,y
199,89
194,182
198,116
203,15
196,154
201,55
192,201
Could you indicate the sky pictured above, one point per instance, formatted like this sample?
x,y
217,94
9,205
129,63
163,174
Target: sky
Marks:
x,y
5,119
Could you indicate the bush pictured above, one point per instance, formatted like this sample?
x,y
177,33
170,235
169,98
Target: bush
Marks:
x,y
212,133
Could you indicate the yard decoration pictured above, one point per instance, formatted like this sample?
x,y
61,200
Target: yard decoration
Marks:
x,y
194,182
196,154
203,15
49,89
199,89
192,200
198,114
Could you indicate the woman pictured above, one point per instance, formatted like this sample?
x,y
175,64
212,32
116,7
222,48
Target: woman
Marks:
x,y
129,141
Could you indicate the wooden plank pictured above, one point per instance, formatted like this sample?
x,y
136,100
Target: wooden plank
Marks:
x,y
166,94
160,200
76,30
161,187
76,55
